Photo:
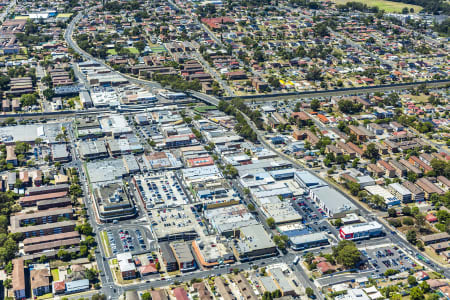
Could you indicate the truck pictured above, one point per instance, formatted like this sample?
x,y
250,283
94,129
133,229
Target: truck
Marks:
x,y
296,259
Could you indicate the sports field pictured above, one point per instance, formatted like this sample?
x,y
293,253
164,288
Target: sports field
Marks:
x,y
387,6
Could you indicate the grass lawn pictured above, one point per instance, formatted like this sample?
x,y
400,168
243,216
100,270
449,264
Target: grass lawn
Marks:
x,y
55,274
204,108
112,52
105,242
158,49
133,50
46,296
388,6
68,15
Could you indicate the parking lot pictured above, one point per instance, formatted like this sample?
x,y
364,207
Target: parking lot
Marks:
x,y
161,190
150,132
383,258
313,217
127,240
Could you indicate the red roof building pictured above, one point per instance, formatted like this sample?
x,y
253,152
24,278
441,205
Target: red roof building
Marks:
x,y
59,287
180,293
148,269
431,218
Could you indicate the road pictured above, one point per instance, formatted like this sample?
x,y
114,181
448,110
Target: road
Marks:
x,y
396,239
111,289
68,36
10,6
106,276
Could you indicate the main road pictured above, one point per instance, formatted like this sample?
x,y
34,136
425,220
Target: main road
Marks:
x,y
396,239
110,288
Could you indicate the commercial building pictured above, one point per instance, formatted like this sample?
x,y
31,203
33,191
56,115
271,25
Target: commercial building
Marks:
x,y
282,282
126,265
174,224
76,286
92,149
281,211
300,242
333,203
113,202
361,231
184,257
211,252
168,257
253,242
59,153
227,220
308,181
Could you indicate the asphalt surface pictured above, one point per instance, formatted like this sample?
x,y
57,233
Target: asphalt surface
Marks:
x,y
110,289
396,239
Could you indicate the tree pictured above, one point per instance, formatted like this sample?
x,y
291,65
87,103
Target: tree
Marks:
x,y
75,190
371,151
43,259
420,220
251,207
91,274
309,291
83,251
158,266
411,236
63,255
90,240
270,222
49,94
7,283
412,280
416,293
347,254
85,229
338,222
21,148
433,296
315,104
28,99
390,272
408,221
146,296
98,297
406,211
392,212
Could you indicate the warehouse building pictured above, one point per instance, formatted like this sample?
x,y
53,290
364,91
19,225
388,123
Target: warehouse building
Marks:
x,y
301,242
361,231
333,203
